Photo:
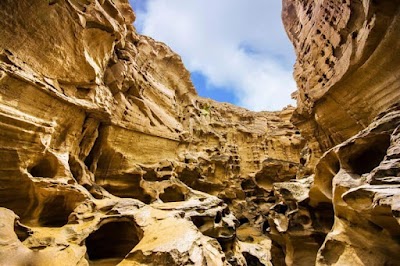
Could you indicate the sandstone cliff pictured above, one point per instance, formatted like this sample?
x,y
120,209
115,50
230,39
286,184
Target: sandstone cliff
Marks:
x,y
347,72
109,156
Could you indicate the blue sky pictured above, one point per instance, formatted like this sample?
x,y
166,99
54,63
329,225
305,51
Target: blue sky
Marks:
x,y
237,51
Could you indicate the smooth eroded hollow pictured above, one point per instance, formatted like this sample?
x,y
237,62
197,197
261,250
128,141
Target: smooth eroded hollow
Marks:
x,y
112,242
46,167
172,194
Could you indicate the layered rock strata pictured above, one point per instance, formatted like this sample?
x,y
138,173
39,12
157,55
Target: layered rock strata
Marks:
x,y
110,157
349,89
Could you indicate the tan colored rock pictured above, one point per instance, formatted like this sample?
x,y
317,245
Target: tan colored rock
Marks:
x,y
347,73
364,191
108,156
347,60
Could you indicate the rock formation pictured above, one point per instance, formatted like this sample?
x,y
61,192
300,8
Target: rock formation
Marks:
x,y
347,72
109,156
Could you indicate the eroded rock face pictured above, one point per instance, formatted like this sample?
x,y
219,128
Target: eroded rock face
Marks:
x,y
360,178
108,156
348,111
347,60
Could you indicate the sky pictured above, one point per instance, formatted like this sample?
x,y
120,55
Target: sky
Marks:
x,y
236,50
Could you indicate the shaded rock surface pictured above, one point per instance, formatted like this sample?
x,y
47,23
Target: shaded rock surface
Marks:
x,y
109,156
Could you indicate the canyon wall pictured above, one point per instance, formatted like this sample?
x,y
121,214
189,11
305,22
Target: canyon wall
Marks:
x,y
109,156
347,72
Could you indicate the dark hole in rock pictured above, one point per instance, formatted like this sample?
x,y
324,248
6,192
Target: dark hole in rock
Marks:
x,y
322,216
303,161
82,92
172,194
319,238
22,232
248,184
193,179
285,193
91,159
95,190
46,167
280,208
367,157
252,260
226,211
198,221
150,175
112,242
226,244
332,251
218,218
243,220
55,212
265,226
336,167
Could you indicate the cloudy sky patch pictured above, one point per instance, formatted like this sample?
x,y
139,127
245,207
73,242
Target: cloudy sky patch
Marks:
x,y
236,50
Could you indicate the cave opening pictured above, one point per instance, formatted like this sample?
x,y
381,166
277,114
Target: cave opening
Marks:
x,y
112,242
55,211
46,167
369,155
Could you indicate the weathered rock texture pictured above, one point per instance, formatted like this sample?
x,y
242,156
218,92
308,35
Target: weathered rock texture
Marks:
x,y
347,72
347,65
108,156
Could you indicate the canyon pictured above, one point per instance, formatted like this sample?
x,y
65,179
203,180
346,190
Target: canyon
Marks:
x,y
109,156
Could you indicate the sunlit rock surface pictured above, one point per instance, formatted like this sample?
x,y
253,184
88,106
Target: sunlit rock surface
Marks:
x,y
347,72
109,156
347,65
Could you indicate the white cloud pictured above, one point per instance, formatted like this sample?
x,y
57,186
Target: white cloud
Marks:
x,y
237,44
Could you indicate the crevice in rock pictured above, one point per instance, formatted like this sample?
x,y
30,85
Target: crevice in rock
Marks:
x,y
172,194
109,244
21,231
150,175
252,260
243,220
91,159
277,254
126,186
